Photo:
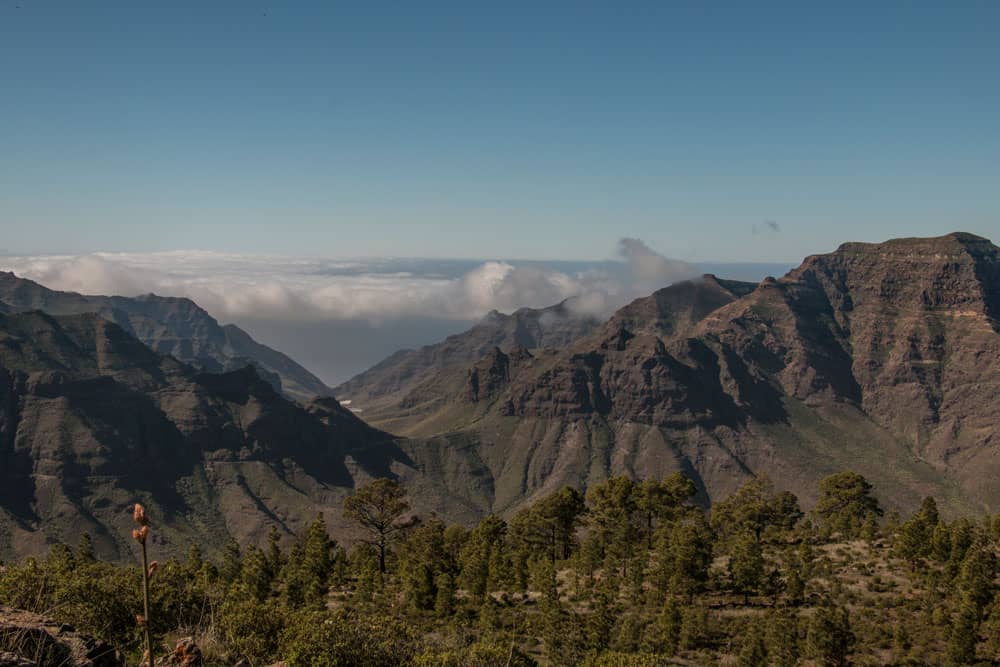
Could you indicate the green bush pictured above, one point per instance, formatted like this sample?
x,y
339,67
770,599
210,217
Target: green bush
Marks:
x,y
322,639
477,655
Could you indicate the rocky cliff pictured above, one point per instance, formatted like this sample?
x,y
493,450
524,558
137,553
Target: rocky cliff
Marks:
x,y
875,357
392,379
92,420
174,326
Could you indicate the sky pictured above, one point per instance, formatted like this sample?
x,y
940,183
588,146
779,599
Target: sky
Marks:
x,y
757,132
346,179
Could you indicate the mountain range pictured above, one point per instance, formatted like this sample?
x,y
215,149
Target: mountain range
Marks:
x,y
875,357
92,420
879,358
174,326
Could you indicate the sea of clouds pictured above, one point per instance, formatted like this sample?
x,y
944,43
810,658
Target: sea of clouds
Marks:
x,y
234,286
340,316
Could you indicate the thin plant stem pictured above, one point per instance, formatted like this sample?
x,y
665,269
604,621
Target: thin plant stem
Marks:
x,y
145,606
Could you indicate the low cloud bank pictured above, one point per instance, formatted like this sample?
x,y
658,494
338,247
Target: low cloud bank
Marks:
x,y
234,287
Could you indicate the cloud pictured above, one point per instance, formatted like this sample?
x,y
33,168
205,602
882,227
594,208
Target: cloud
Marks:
x,y
233,287
769,227
651,268
87,274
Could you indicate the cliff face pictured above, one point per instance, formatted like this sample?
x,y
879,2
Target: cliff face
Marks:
x,y
92,420
392,379
906,331
876,357
171,326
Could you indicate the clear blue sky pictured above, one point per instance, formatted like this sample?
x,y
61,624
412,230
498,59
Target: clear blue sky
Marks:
x,y
470,129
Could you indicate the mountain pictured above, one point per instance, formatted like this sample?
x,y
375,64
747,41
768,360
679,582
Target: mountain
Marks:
x,y
391,379
675,310
92,420
876,357
672,310
174,326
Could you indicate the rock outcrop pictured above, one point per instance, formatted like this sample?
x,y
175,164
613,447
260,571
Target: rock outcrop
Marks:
x,y
33,640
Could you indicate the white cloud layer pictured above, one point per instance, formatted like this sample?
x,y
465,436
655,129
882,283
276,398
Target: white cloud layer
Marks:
x,y
232,287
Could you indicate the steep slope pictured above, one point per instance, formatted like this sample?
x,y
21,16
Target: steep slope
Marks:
x,y
876,357
675,310
393,378
92,420
174,326
906,331
670,311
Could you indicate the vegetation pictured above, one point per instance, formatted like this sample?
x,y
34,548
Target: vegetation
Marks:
x,y
634,573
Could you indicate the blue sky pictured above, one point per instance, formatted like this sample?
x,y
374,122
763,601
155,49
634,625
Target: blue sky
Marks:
x,y
514,130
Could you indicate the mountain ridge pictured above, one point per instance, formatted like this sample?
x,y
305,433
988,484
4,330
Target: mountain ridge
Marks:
x,y
890,340
170,325
394,377
91,420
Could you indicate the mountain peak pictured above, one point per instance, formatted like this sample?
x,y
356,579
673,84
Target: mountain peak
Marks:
x,y
959,272
934,246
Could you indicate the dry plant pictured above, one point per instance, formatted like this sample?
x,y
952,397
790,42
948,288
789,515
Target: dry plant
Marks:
x,y
141,534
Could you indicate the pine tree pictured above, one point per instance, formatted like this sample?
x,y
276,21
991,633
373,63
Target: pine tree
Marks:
x,y
60,559
292,576
273,555
977,573
684,556
694,627
614,518
370,580
753,508
795,585
194,562
548,527
444,601
668,627
500,575
915,538
962,538
600,621
379,507
829,638
477,555
255,575
869,531
85,550
489,617
901,642
941,542
543,579
746,565
991,631
628,633
231,565
662,502
963,633
783,639
754,652
421,587
317,561
845,503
